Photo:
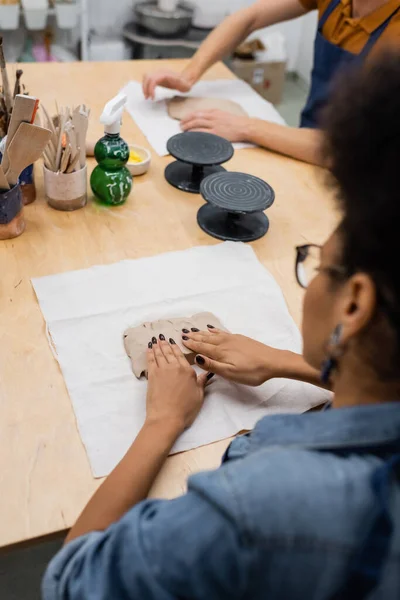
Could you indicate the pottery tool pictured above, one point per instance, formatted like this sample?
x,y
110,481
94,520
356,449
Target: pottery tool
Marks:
x,y
4,77
17,86
235,205
198,155
25,148
3,180
24,108
66,150
80,121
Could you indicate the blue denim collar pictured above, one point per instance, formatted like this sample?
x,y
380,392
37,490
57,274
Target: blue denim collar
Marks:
x,y
359,427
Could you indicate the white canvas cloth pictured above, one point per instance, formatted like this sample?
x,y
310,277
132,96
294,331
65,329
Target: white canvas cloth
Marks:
x,y
88,311
152,116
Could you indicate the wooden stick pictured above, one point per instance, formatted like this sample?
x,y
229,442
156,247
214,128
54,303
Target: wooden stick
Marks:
x,y
4,76
73,162
17,86
59,144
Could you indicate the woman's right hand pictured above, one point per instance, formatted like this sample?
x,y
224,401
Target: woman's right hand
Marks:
x,y
236,357
165,78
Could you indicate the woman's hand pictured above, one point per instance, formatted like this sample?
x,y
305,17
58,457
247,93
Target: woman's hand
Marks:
x,y
175,393
231,127
236,357
165,78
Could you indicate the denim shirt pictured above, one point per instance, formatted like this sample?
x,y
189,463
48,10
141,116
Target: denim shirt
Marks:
x,y
281,519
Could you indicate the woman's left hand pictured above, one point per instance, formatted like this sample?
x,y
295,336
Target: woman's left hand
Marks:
x,y
231,127
175,393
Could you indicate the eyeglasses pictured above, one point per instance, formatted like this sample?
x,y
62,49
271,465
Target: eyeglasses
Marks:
x,y
308,264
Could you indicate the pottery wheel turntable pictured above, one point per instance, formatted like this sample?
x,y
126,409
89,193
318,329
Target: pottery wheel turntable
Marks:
x,y
236,202
198,155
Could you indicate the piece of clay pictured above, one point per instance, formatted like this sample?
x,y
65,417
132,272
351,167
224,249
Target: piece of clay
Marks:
x,y
136,339
180,107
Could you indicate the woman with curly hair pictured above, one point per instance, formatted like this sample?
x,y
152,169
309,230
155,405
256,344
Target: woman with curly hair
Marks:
x,y
306,506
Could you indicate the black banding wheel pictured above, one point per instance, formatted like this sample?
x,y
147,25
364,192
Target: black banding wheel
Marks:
x,y
198,155
236,202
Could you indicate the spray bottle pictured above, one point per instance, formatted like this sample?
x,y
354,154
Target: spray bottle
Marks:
x,y
111,181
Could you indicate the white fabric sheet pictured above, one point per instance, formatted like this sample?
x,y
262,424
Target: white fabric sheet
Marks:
x,y
152,116
88,311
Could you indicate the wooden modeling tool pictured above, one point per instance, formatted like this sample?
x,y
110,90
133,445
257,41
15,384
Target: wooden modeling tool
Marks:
x,y
34,112
6,85
26,147
64,153
17,86
80,119
24,107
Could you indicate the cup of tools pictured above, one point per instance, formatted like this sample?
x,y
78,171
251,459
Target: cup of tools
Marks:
x,y
12,222
64,169
65,191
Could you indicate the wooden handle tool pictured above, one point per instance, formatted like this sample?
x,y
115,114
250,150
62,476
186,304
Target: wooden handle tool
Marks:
x,y
80,118
24,107
6,85
26,147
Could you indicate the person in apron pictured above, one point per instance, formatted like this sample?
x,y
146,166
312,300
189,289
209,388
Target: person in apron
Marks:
x,y
353,40
328,60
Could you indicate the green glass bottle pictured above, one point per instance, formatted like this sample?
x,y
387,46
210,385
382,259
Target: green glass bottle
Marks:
x,y
111,181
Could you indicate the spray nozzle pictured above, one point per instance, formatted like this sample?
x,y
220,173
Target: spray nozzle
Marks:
x,y
112,114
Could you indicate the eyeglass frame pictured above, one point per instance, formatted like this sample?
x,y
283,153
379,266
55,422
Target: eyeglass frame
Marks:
x,y
340,272
302,252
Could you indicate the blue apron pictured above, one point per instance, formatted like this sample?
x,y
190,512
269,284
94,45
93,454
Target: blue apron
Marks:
x,y
327,60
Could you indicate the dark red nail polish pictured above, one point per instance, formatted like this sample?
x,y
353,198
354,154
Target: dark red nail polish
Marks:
x,y
172,342
185,330
185,337
154,340
210,376
200,360
195,330
162,338
210,326
150,345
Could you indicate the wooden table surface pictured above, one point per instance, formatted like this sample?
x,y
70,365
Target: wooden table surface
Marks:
x,y
45,478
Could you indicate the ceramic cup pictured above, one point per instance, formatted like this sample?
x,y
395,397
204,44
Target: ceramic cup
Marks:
x,y
12,222
66,191
28,188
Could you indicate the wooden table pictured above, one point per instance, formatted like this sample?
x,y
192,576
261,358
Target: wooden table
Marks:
x,y
45,479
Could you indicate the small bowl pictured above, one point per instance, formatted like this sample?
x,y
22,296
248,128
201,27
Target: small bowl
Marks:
x,y
139,168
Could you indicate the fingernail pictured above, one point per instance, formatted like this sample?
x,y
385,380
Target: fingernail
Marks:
x,y
150,345
210,376
195,330
185,330
162,338
154,340
210,326
172,342
200,360
185,337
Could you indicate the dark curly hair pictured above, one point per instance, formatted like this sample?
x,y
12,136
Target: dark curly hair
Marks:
x,y
362,146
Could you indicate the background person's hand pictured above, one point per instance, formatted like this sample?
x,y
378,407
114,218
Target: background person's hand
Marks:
x,y
164,78
229,126
175,392
235,357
